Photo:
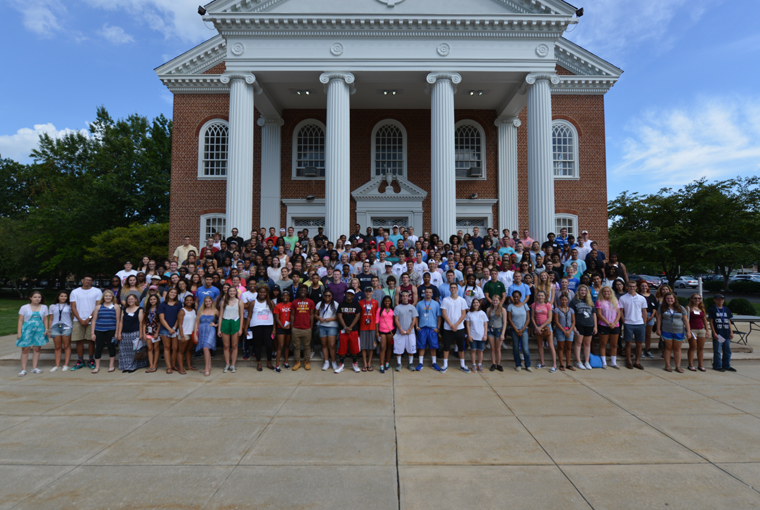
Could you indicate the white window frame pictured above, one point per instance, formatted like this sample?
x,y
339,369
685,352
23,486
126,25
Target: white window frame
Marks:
x,y
476,125
209,216
576,166
202,147
405,142
571,217
297,130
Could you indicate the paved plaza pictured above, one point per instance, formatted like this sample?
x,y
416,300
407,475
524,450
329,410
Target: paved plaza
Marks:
x,y
600,439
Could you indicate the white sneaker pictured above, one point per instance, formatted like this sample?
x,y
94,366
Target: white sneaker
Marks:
x,y
232,369
65,368
356,368
340,368
36,371
54,369
529,369
326,366
226,369
335,365
588,366
581,366
517,369
22,373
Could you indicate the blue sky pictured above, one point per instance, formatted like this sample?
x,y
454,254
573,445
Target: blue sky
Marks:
x,y
687,106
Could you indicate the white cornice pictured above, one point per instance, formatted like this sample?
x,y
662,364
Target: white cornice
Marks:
x,y
332,25
583,85
581,61
196,60
195,84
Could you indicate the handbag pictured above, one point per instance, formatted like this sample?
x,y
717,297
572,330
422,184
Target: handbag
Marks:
x,y
595,361
140,349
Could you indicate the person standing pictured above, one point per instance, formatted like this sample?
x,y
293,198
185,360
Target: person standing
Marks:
x,y
302,320
106,319
60,329
327,315
126,272
673,328
698,323
542,319
722,334
454,310
609,313
181,253
475,325
497,329
348,318
282,316
429,324
519,319
261,323
168,313
150,331
206,323
405,319
368,326
83,301
128,335
564,329
634,317
33,331
186,320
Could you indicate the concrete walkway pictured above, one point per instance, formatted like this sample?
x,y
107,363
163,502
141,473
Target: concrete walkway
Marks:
x,y
600,439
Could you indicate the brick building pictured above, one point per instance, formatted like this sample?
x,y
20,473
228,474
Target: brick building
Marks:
x,y
441,114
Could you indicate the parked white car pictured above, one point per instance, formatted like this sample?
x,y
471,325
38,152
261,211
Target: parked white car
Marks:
x,y
686,281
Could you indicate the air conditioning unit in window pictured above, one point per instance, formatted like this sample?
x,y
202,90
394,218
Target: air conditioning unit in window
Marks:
x,y
475,171
310,171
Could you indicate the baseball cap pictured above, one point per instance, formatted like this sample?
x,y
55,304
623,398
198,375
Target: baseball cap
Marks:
x,y
388,263
719,296
153,287
347,243
395,226
155,277
368,287
282,230
350,291
584,232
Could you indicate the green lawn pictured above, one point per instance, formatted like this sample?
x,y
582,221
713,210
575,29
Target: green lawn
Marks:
x,y
9,305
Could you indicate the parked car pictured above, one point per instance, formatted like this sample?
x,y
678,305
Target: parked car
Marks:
x,y
686,281
652,281
745,278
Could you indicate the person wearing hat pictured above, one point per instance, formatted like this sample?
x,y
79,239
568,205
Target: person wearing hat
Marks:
x,y
383,277
349,314
722,334
126,272
395,237
368,334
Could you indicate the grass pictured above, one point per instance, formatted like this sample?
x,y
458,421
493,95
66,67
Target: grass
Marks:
x,y
757,308
9,305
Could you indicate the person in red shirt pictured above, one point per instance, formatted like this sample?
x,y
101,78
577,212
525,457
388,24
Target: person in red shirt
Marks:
x,y
302,319
282,314
272,237
368,328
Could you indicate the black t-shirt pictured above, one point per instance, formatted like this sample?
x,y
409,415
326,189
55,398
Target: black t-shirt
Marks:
x,y
320,237
350,311
553,244
315,293
221,255
365,280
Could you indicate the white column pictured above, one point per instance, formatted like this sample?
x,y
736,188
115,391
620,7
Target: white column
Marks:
x,y
240,152
270,171
443,203
508,198
540,156
338,154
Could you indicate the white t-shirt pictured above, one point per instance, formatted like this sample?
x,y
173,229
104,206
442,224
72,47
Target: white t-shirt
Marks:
x,y
420,268
125,274
85,300
27,312
378,267
398,270
477,322
246,298
328,312
632,306
436,279
262,315
60,313
506,277
454,309
469,293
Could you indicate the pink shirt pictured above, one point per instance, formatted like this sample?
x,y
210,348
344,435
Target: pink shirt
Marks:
x,y
527,242
542,312
608,311
384,320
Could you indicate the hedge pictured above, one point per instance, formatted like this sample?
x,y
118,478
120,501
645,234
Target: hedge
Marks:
x,y
744,287
712,285
740,306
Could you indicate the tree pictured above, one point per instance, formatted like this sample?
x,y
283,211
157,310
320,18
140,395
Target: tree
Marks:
x,y
702,223
111,248
17,265
13,194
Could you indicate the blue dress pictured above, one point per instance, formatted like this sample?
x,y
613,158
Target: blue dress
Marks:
x,y
206,334
32,332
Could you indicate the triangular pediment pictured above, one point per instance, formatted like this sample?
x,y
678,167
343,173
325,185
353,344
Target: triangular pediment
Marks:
x,y
393,7
379,189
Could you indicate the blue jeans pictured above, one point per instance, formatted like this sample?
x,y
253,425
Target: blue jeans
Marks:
x,y
517,343
723,349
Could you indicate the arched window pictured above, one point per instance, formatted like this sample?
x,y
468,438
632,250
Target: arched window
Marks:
x,y
389,148
469,150
212,149
565,145
309,150
215,223
568,221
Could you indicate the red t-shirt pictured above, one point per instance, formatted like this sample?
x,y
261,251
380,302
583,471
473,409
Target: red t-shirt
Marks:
x,y
303,309
369,311
283,313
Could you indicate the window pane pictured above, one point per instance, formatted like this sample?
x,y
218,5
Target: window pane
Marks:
x,y
389,150
310,150
563,143
565,222
467,150
216,225
215,150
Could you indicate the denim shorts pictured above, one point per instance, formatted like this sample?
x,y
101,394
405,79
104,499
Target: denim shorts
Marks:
x,y
678,337
494,332
60,329
652,322
165,332
478,345
328,331
560,336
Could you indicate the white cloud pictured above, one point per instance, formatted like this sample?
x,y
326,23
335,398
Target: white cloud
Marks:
x,y
712,138
173,18
114,34
41,16
19,145
614,28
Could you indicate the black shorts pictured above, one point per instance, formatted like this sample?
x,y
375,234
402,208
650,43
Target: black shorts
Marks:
x,y
281,331
604,330
585,330
452,337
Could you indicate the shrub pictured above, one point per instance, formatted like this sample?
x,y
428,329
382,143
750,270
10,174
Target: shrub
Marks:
x,y
740,306
683,301
708,302
713,285
745,287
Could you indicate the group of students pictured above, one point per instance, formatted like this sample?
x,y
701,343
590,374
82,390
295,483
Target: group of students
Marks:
x,y
373,295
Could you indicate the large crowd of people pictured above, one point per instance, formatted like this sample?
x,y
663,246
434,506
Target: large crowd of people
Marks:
x,y
287,298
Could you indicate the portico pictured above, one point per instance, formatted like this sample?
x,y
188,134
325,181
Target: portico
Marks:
x,y
341,56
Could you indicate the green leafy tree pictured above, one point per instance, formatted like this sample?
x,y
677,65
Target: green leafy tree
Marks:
x,y
715,224
13,193
111,248
17,265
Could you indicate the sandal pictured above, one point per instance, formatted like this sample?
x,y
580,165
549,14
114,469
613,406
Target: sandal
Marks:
x,y
258,368
692,369
370,369
364,369
182,372
679,370
192,368
111,370
668,369
702,369
269,366
206,374
151,370
169,371
95,371
570,367
561,368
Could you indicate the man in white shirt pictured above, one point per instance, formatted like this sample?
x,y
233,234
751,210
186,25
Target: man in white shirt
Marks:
x,y
583,248
379,266
83,302
180,254
126,272
435,274
419,266
453,311
400,267
634,317
413,238
506,277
